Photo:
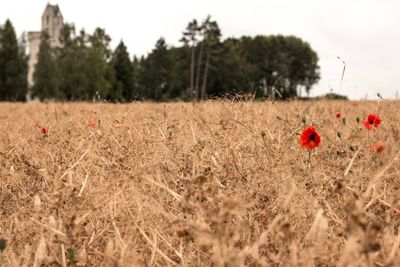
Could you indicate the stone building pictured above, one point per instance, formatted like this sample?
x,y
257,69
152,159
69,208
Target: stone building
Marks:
x,y
52,22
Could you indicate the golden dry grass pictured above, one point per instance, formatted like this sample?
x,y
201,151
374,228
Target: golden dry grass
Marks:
x,y
217,184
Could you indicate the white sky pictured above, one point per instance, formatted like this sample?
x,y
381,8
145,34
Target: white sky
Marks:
x,y
365,33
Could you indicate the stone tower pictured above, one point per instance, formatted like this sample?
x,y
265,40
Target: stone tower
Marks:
x,y
52,22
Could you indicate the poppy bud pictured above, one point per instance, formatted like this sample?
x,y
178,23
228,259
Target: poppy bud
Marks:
x,y
379,95
339,135
303,119
2,245
344,121
71,254
378,148
358,120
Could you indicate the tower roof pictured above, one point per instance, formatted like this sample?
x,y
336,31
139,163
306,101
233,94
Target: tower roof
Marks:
x,y
54,10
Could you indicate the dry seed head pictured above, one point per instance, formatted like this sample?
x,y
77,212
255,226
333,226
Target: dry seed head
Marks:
x,y
319,229
109,249
52,222
229,203
41,252
351,253
70,178
12,170
37,202
43,173
82,257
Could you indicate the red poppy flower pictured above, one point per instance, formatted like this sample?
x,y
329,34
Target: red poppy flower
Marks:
x,y
44,131
310,139
263,214
91,124
378,148
372,120
338,115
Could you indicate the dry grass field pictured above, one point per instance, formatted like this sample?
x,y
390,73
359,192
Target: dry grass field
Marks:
x,y
222,183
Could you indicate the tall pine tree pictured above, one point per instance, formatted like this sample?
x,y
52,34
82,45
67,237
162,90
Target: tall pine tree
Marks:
x,y
13,66
124,84
155,72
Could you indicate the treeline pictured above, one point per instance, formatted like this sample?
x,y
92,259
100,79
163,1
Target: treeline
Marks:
x,y
203,66
13,65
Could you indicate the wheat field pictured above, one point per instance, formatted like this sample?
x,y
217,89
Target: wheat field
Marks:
x,y
220,183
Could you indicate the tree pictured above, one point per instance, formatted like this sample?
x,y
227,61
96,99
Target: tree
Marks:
x,y
211,39
98,71
190,39
72,62
46,77
279,65
137,64
206,39
179,76
304,69
84,62
155,72
231,72
13,65
124,84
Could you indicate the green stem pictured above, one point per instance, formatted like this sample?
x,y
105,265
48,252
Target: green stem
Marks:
x,y
377,108
369,140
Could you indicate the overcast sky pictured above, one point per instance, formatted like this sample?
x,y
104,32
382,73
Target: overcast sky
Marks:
x,y
365,33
